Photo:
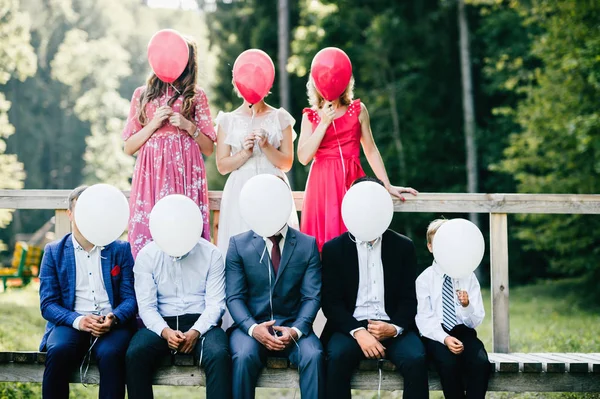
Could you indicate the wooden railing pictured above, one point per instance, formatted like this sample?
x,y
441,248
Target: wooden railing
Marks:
x,y
496,205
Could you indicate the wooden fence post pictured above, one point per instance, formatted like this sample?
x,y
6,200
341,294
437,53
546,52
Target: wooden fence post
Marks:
x,y
499,282
62,224
215,226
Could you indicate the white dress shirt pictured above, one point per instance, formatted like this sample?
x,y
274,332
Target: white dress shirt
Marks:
x,y
269,246
370,300
429,296
90,293
167,286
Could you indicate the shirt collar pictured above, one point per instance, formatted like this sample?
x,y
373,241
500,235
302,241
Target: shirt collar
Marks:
x,y
438,269
80,248
284,230
366,244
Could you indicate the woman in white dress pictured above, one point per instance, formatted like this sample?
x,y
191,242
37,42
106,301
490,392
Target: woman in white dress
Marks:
x,y
251,141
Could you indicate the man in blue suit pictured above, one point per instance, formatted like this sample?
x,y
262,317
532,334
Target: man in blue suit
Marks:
x,y
87,297
273,301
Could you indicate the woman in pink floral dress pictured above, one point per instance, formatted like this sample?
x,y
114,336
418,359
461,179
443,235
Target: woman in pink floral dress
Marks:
x,y
171,128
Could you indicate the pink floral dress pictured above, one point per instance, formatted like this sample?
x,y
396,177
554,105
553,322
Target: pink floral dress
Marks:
x,y
170,162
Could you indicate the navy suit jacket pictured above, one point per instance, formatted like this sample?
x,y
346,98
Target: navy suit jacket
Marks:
x,y
57,283
296,289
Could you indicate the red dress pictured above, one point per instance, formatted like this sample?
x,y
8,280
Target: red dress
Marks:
x,y
329,176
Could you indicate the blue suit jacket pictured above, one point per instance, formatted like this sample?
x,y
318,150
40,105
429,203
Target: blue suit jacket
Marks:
x,y
296,290
57,283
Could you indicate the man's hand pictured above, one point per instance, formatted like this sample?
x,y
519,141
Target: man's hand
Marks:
x,y
463,297
104,326
90,321
190,341
288,335
261,334
454,345
173,338
381,330
370,346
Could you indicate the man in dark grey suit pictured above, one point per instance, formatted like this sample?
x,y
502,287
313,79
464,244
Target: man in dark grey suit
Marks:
x,y
273,287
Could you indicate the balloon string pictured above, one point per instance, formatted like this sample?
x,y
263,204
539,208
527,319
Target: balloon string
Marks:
x,y
255,143
185,188
341,156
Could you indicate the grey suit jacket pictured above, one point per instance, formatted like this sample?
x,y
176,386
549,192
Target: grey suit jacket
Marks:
x,y
296,289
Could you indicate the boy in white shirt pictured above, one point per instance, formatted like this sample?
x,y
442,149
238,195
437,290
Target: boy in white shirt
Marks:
x,y
448,312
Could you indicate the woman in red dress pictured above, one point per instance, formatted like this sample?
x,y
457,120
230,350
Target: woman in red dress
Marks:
x,y
331,136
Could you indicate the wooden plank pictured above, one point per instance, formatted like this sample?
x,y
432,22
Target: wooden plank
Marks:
x,y
5,357
499,282
368,380
593,360
62,224
504,363
24,357
552,365
527,364
424,202
277,363
574,364
184,360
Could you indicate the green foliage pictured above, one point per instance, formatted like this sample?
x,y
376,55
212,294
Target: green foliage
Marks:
x,y
558,147
16,60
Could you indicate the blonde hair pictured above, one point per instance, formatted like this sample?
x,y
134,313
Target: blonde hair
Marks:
x,y
433,228
317,101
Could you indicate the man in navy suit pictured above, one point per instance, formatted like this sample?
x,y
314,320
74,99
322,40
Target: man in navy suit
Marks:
x,y
87,297
273,301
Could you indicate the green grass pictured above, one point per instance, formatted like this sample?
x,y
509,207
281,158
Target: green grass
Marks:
x,y
550,316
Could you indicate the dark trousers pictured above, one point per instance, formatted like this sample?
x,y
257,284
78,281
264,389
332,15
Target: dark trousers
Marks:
x,y
147,350
66,348
249,358
472,365
406,351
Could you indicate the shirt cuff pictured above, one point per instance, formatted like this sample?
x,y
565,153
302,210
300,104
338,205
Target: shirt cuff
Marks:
x,y
158,328
399,330
251,329
76,322
467,311
352,332
297,332
440,336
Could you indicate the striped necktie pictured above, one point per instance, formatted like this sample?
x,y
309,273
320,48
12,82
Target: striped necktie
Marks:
x,y
449,313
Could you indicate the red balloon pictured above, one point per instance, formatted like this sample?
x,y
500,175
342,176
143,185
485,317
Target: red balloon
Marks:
x,y
168,54
331,71
253,75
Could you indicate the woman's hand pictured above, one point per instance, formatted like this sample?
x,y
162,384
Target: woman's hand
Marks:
x,y
261,136
179,121
327,113
160,115
248,144
397,191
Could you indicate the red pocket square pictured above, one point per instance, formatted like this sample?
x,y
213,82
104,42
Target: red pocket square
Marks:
x,y
115,271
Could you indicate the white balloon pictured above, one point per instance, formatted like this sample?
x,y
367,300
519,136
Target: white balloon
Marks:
x,y
367,210
266,204
176,224
458,247
101,214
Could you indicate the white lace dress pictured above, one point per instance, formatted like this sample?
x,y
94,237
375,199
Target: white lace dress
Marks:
x,y
236,127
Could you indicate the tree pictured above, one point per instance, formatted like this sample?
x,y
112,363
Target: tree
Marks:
x,y
17,59
557,149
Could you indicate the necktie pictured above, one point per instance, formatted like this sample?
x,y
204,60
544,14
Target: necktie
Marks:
x,y
449,312
275,252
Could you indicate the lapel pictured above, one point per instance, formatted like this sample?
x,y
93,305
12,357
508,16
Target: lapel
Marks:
x,y
261,250
352,264
389,263
288,250
106,263
69,264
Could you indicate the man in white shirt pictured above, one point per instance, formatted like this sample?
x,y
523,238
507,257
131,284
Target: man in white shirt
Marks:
x,y
370,304
448,312
181,302
86,295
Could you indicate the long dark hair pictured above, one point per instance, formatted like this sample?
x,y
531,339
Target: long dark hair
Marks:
x,y
186,84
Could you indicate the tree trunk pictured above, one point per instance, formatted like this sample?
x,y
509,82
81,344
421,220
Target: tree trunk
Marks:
x,y
283,53
468,106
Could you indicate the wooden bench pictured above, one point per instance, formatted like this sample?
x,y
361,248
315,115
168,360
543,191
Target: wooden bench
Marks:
x,y
516,372
24,266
